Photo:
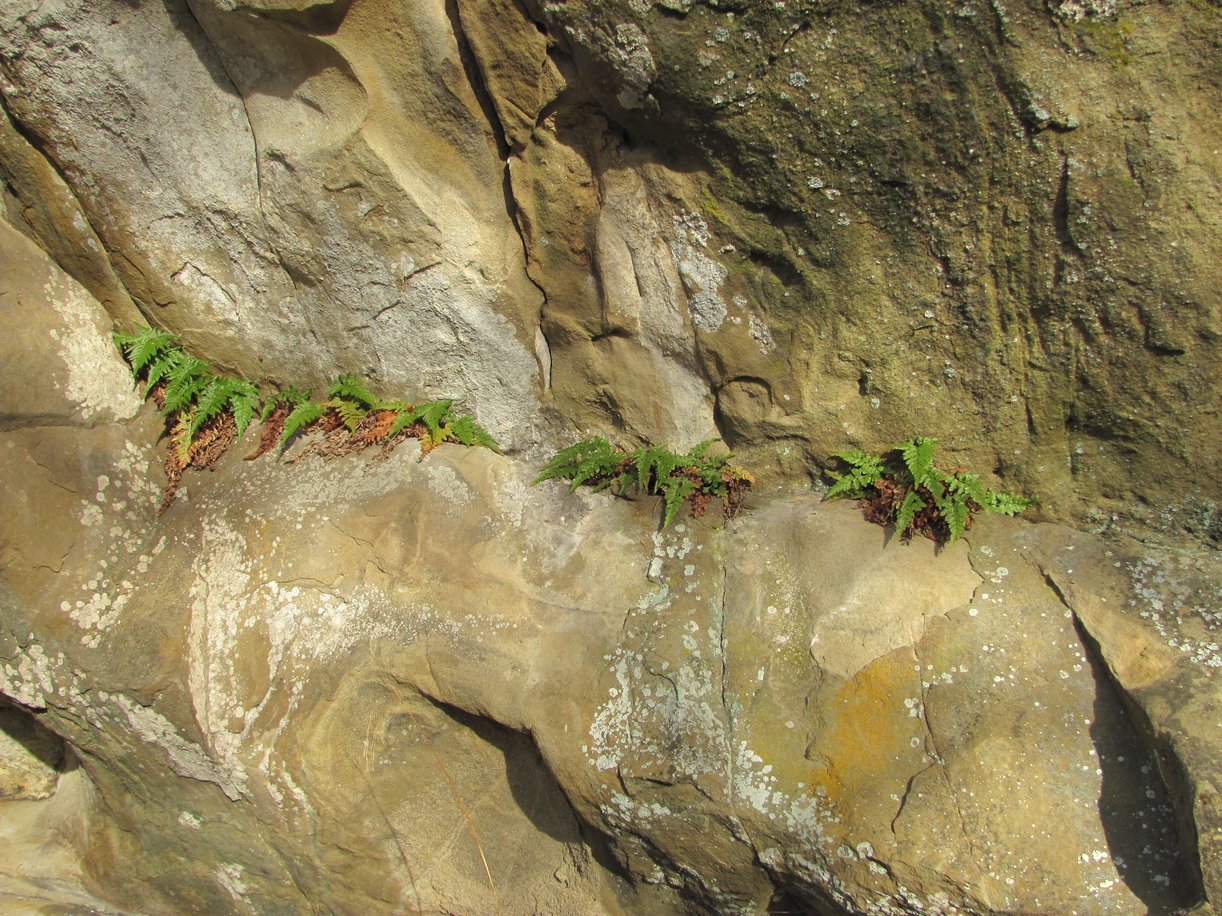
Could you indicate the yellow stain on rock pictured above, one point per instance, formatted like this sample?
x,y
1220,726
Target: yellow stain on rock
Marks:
x,y
865,751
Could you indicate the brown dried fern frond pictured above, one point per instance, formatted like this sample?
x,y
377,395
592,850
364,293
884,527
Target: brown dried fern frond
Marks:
x,y
269,431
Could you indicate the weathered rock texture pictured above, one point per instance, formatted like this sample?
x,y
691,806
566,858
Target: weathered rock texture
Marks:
x,y
800,226
423,685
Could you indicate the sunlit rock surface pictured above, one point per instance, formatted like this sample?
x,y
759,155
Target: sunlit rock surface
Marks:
x,y
391,684
798,226
424,684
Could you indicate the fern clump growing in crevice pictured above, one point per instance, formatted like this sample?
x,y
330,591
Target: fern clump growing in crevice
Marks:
x,y
697,477
904,488
206,413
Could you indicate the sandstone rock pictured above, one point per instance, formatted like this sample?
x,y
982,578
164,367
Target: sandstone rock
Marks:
x,y
410,684
425,684
59,366
254,174
802,228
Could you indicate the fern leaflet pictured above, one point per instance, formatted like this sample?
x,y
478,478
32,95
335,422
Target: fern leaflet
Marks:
x,y
185,381
350,412
299,417
143,346
405,418
291,396
674,491
864,471
906,513
467,432
351,388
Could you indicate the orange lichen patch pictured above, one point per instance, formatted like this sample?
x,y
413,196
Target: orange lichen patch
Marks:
x,y
865,751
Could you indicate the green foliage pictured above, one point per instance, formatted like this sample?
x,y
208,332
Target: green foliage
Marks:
x,y
694,477
864,471
144,346
583,461
290,396
301,416
198,405
186,380
465,431
236,395
351,389
905,488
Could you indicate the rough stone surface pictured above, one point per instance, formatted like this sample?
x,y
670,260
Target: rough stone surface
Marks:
x,y
59,366
424,684
801,227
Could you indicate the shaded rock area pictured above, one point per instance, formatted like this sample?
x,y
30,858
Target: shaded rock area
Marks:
x,y
424,685
799,226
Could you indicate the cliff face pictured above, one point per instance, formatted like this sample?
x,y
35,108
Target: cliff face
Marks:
x,y
800,227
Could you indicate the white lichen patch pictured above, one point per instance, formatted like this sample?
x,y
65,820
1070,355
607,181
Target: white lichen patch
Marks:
x,y
1181,602
29,678
229,876
96,378
702,276
185,758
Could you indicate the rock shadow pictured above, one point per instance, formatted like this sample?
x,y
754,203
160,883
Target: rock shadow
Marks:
x,y
1135,807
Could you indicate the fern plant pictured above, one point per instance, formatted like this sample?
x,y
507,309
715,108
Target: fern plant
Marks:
x,y
905,488
695,477
206,412
369,418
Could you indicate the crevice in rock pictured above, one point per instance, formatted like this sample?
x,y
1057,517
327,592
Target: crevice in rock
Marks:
x,y
473,68
233,85
530,777
42,150
1125,845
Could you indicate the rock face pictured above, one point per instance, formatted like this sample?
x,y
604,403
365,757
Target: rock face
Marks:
x,y
800,227
424,685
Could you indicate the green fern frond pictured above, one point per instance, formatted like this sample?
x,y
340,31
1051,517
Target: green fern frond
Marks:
x,y
654,466
435,415
955,511
655,470
864,471
242,406
1005,503
291,396
211,402
968,487
160,367
582,461
467,432
143,346
351,388
299,417
185,381
406,417
350,412
906,514
674,491
918,459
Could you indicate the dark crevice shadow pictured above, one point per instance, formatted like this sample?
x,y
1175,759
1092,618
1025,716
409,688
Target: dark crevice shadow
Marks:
x,y
535,788
1136,809
23,727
